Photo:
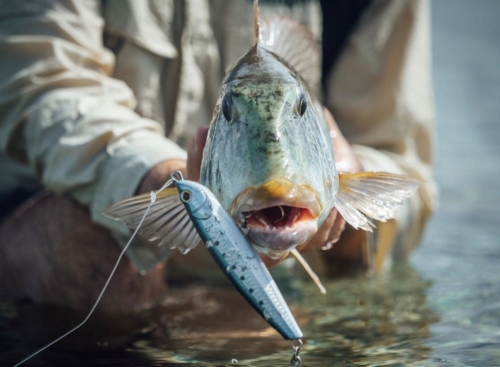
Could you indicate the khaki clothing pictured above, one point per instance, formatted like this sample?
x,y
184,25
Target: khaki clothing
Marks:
x,y
94,94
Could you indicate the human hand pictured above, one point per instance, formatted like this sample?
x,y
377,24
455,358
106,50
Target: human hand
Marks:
x,y
160,173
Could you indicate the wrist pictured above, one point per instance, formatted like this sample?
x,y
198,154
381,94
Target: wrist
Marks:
x,y
160,173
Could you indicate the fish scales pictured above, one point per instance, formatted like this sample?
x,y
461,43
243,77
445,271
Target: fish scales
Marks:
x,y
258,134
267,138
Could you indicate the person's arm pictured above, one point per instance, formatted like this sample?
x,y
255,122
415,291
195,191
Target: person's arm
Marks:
x,y
64,116
381,97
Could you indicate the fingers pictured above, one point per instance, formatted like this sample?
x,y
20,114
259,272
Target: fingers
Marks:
x,y
328,233
348,253
195,153
335,232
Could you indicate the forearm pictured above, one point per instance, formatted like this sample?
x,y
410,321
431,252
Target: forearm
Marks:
x,y
99,156
62,115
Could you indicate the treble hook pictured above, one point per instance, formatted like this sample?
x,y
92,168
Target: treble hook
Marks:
x,y
244,223
296,360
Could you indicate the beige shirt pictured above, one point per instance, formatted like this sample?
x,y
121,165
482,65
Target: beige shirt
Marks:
x,y
92,96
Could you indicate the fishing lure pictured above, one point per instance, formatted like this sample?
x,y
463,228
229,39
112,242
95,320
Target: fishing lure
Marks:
x,y
236,257
192,210
195,211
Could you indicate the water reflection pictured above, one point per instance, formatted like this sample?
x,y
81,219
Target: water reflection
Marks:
x,y
371,322
360,322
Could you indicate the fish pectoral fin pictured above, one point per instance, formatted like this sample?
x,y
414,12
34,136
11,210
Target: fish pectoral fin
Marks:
x,y
376,195
167,219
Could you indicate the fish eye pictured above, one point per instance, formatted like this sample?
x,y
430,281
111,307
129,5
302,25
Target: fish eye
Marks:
x,y
186,196
226,107
302,106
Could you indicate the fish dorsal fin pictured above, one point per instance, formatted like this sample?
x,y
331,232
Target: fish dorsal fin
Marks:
x,y
295,44
256,22
375,195
167,220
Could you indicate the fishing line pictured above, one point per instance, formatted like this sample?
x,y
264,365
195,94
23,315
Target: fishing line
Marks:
x,y
153,199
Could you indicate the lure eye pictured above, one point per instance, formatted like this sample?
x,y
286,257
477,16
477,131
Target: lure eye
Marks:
x,y
186,196
226,107
302,106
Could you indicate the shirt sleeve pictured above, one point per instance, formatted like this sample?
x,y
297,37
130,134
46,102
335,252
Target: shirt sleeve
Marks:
x,y
381,96
61,112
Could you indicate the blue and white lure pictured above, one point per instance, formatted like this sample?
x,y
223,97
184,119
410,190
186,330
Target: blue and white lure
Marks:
x,y
179,215
193,212
236,257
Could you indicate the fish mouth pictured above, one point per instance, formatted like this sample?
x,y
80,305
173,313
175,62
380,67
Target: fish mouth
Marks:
x,y
279,215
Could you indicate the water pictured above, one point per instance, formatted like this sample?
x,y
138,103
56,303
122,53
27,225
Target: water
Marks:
x,y
442,309
461,250
361,322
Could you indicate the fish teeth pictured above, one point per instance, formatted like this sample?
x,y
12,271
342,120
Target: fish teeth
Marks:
x,y
262,221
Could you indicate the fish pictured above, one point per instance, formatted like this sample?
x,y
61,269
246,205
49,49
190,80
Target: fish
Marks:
x,y
269,158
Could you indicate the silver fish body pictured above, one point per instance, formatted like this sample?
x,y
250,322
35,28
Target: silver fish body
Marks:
x,y
237,258
269,149
269,157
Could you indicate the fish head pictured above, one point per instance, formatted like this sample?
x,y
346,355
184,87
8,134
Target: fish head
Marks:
x,y
268,157
196,199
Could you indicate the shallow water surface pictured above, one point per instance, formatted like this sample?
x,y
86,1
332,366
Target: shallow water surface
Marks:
x,y
387,321
360,322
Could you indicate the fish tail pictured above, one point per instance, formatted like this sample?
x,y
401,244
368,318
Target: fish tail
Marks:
x,y
256,22
375,195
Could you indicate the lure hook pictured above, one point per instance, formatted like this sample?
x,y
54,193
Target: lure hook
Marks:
x,y
296,360
244,223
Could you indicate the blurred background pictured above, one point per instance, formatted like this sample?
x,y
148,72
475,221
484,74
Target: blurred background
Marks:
x,y
460,253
